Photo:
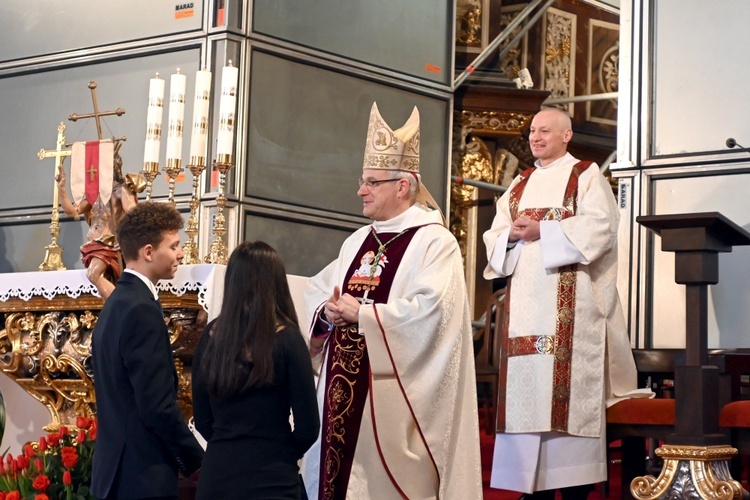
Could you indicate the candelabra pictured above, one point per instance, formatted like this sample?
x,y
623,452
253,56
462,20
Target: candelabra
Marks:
x,y
172,169
196,167
218,251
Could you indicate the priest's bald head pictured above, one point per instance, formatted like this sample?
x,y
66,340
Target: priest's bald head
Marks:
x,y
550,133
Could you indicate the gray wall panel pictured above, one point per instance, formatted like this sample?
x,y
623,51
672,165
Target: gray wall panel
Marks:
x,y
39,27
307,132
412,37
32,105
306,248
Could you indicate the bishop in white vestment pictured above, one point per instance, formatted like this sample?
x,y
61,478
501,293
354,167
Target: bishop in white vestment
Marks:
x,y
391,338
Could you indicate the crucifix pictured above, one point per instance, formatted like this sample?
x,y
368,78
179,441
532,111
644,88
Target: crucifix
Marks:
x,y
53,255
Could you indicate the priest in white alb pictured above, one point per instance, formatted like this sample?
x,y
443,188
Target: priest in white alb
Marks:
x,y
565,353
391,338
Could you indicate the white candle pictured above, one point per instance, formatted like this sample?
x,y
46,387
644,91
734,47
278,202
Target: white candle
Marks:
x,y
225,141
199,136
153,120
176,116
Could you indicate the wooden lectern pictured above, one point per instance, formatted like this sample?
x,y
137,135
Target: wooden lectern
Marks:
x,y
695,458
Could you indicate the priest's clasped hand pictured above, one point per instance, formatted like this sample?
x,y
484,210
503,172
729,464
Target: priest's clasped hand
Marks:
x,y
524,229
340,309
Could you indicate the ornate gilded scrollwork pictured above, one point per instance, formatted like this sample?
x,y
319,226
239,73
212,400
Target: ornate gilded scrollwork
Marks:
x,y
48,354
691,472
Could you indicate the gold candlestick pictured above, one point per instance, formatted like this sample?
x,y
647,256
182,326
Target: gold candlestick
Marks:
x,y
218,252
196,166
150,171
172,169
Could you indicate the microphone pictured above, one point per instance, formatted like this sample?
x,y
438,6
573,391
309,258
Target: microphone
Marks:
x,y
732,143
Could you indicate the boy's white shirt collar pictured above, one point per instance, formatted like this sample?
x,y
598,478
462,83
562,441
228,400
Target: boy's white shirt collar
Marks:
x,y
147,281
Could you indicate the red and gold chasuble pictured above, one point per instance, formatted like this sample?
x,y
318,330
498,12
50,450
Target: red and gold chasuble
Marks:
x,y
348,364
560,344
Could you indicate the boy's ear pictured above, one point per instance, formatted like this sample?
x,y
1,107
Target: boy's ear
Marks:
x,y
146,252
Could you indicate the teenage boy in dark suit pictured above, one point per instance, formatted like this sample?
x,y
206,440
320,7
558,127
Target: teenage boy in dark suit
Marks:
x,y
142,440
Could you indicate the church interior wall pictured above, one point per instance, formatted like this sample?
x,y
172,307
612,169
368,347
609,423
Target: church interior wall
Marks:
x,y
302,203
678,105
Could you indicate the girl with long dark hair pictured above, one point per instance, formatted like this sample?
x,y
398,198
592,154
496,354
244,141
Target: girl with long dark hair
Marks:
x,y
250,370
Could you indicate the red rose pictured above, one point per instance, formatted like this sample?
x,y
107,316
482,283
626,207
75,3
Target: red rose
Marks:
x,y
41,496
13,495
83,422
42,444
41,483
53,439
67,479
2,495
69,456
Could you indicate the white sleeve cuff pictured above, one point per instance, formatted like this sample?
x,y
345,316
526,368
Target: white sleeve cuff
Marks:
x,y
557,250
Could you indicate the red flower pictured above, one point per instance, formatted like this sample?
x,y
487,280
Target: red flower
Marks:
x,y
67,479
81,436
53,439
69,456
23,462
39,464
83,422
41,483
41,496
28,451
2,473
13,495
14,465
42,444
92,433
2,495
63,431
9,459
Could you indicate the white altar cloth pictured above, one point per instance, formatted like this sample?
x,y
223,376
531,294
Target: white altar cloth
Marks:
x,y
205,279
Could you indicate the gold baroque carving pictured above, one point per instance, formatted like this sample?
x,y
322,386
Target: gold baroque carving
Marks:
x,y
469,27
559,58
495,121
48,352
690,472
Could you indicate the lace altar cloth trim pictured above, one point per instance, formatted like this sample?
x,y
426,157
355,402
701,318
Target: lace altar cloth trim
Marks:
x,y
205,279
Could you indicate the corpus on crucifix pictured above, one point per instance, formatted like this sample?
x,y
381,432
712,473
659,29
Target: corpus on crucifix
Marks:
x,y
102,194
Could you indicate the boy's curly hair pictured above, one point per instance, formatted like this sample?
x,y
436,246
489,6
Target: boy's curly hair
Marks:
x,y
146,224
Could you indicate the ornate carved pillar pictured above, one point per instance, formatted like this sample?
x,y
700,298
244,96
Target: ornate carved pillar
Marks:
x,y
488,145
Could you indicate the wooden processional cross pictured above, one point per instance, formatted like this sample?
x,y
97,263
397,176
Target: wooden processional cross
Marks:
x,y
53,257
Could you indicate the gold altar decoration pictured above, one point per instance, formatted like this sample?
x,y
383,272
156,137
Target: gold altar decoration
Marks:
x,y
691,472
45,347
197,166
53,251
173,168
218,251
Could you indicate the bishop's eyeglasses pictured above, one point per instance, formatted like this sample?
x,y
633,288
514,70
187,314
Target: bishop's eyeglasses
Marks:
x,y
369,183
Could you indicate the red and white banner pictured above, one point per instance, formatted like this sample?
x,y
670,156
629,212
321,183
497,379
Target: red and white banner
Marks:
x,y
91,171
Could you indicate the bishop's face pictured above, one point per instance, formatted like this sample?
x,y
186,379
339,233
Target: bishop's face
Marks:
x,y
380,194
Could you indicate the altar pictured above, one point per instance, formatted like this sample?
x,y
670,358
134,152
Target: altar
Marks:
x,y
45,340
